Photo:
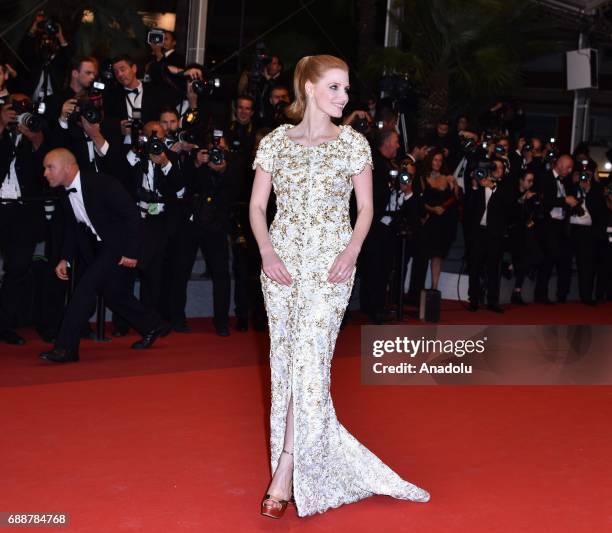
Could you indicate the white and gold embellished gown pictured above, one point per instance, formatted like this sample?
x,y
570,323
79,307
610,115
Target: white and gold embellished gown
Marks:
x,y
313,186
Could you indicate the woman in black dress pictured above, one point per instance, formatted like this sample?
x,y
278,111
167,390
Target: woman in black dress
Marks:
x,y
440,199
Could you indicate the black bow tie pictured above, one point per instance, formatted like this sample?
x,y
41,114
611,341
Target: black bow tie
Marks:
x,y
73,189
132,91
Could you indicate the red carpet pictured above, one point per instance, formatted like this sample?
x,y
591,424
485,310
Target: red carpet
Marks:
x,y
175,439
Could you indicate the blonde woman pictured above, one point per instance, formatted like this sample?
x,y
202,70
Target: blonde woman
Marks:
x,y
308,264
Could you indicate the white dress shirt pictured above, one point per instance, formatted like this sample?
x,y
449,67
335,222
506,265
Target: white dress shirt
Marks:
x,y
78,205
557,212
10,186
488,193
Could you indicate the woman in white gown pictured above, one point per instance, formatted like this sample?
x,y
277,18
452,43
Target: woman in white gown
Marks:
x,y
308,263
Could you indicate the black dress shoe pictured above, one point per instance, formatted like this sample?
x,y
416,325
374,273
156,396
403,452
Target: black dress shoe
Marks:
x,y
495,308
473,307
561,299
60,355
242,324
119,332
517,298
10,337
543,300
148,339
181,327
222,331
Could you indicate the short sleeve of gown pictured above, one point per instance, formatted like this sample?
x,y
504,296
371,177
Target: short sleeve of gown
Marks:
x,y
265,154
361,154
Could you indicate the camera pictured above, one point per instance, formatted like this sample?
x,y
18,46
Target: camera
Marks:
x,y
135,123
90,105
404,177
552,154
181,135
261,61
467,144
361,125
527,147
483,170
217,156
500,150
152,145
205,86
29,116
155,36
48,26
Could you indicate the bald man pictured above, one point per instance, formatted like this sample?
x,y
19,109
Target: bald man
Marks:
x,y
104,225
552,234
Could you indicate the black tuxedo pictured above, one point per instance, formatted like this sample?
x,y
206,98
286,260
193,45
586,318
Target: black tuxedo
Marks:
x,y
487,240
57,67
21,225
117,222
584,239
153,100
553,237
378,254
159,73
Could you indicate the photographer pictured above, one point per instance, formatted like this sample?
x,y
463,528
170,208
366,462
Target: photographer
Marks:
x,y
79,125
552,234
47,53
208,228
604,249
22,223
258,82
192,111
524,248
380,245
156,178
4,77
527,154
164,55
442,139
360,120
241,132
406,224
586,220
133,103
487,208
505,116
274,110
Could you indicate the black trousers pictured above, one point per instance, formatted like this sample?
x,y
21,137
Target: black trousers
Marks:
x,y
215,247
379,253
555,246
17,248
177,267
486,253
104,275
582,247
525,252
248,295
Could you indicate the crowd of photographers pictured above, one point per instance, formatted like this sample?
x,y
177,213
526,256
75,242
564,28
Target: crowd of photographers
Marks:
x,y
187,167
513,195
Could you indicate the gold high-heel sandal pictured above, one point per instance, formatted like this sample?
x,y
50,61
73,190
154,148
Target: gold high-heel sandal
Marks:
x,y
273,511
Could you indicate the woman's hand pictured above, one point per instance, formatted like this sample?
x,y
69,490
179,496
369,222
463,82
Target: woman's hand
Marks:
x,y
274,268
342,267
